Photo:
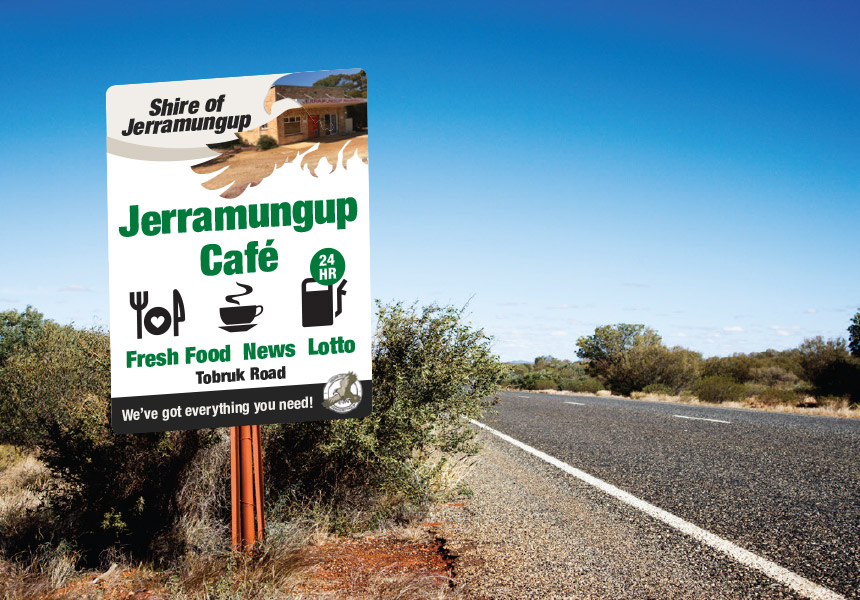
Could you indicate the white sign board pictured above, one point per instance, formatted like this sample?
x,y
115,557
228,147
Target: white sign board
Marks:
x,y
238,224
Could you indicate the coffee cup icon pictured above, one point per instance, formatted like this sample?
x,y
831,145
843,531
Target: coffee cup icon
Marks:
x,y
238,317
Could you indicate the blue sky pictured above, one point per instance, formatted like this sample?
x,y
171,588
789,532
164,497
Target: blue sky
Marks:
x,y
310,77
694,166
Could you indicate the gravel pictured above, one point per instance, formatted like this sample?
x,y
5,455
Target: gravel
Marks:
x,y
784,486
530,531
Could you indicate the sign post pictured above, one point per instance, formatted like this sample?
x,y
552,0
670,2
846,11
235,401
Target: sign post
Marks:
x,y
246,486
238,227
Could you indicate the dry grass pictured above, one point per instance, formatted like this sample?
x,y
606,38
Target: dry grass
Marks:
x,y
299,544
24,483
9,455
450,476
301,558
839,407
19,582
203,525
409,587
828,407
405,563
21,470
43,574
272,572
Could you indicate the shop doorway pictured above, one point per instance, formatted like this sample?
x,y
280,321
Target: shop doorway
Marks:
x,y
330,122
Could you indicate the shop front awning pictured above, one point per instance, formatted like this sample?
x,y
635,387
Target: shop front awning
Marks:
x,y
330,101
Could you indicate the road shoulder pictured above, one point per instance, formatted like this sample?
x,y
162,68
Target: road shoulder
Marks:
x,y
530,531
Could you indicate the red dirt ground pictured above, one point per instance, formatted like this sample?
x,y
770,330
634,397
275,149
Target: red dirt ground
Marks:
x,y
343,568
356,566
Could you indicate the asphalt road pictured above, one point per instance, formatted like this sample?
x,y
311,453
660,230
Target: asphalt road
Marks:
x,y
784,486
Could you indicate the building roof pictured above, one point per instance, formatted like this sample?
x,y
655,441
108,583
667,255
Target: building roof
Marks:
x,y
311,95
339,101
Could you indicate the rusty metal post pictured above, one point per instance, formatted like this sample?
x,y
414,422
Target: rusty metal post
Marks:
x,y
246,486
258,482
246,483
234,488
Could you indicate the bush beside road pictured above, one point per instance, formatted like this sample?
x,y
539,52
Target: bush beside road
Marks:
x,y
630,359
74,495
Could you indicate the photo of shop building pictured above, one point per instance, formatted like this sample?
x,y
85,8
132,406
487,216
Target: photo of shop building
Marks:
x,y
323,113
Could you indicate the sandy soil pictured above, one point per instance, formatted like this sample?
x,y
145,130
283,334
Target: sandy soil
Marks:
x,y
236,170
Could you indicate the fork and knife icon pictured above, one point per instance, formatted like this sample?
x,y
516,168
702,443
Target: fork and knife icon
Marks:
x,y
157,319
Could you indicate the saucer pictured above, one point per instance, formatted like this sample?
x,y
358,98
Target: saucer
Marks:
x,y
235,328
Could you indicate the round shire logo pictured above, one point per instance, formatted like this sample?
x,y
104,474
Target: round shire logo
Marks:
x,y
342,393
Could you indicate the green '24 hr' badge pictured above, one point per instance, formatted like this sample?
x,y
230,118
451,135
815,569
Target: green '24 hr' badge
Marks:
x,y
327,266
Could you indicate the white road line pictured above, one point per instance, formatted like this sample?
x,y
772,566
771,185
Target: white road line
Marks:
x,y
522,396
799,584
702,419
577,403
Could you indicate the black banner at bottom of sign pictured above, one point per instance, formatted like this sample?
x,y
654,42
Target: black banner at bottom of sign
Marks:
x,y
226,408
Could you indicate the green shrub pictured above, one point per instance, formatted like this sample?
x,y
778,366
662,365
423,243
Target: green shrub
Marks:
x,y
854,335
18,331
828,366
590,384
587,384
773,376
657,388
628,358
564,383
527,381
675,368
267,142
773,397
512,380
718,388
543,383
520,368
546,373
431,372
538,381
754,389
237,142
515,374
770,367
113,489
737,367
604,350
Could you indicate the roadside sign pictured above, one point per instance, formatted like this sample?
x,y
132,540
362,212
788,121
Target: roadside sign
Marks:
x,y
239,251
